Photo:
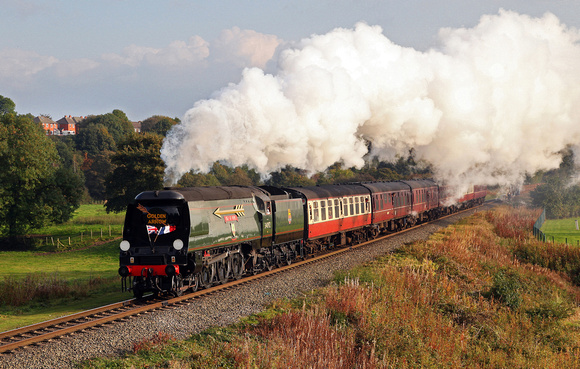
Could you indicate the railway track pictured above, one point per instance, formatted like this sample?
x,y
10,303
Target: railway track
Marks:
x,y
37,333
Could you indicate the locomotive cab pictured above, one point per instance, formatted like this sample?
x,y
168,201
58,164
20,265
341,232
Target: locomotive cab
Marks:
x,y
154,250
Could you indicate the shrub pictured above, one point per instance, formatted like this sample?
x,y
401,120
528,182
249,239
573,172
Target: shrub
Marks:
x,y
506,288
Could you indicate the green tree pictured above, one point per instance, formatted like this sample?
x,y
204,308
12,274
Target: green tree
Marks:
x,y
94,139
7,106
96,169
137,167
239,176
191,179
35,189
63,193
116,122
289,177
69,155
158,124
558,195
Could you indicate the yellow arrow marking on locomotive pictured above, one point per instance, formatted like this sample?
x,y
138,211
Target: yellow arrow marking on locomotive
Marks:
x,y
238,210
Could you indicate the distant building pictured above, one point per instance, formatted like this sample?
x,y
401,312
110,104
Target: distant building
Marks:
x,y
68,124
137,126
49,125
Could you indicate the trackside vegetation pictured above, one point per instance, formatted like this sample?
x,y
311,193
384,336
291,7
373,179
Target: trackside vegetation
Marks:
x,y
48,281
479,294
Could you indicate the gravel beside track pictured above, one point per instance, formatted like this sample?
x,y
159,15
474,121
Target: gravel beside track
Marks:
x,y
222,308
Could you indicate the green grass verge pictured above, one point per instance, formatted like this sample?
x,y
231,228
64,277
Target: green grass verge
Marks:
x,y
92,270
70,280
561,231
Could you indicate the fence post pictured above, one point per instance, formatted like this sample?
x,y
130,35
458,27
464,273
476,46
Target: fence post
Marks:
x,y
109,230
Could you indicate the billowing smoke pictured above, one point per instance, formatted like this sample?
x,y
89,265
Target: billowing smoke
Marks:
x,y
489,104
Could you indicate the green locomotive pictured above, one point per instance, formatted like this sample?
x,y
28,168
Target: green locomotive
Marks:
x,y
182,238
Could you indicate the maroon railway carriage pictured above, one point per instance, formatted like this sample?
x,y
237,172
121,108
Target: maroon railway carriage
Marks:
x,y
391,204
451,201
425,198
480,192
335,214
397,205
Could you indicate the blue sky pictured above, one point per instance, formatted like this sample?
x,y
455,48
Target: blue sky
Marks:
x,y
159,57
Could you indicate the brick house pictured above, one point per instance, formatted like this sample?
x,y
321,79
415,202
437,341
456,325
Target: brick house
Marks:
x,y
137,126
68,124
49,125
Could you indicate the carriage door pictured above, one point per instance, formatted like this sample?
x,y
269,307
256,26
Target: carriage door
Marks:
x,y
264,207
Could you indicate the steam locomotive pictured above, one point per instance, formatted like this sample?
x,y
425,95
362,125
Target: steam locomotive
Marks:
x,y
187,238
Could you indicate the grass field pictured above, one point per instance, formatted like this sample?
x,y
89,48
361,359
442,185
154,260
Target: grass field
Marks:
x,y
36,285
90,224
562,231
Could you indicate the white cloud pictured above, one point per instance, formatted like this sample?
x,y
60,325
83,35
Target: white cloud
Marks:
x,y
74,67
23,63
245,47
175,54
141,80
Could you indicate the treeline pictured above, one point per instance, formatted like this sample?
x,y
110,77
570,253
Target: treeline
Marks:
x,y
222,175
559,193
45,178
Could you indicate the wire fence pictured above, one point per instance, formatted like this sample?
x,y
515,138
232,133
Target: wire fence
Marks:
x,y
81,239
547,238
538,225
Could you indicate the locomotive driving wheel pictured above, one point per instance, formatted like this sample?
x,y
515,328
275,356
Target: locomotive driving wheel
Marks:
x,y
221,272
205,277
237,266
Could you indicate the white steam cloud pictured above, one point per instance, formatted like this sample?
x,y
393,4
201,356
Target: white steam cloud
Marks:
x,y
490,104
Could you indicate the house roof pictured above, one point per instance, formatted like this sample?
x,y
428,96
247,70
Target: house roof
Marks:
x,y
43,120
69,119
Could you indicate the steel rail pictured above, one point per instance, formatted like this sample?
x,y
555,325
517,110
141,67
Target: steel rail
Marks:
x,y
44,331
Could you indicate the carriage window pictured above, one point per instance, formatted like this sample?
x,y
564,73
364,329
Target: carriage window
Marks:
x,y
323,209
351,206
330,209
345,202
310,212
336,208
316,212
356,208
